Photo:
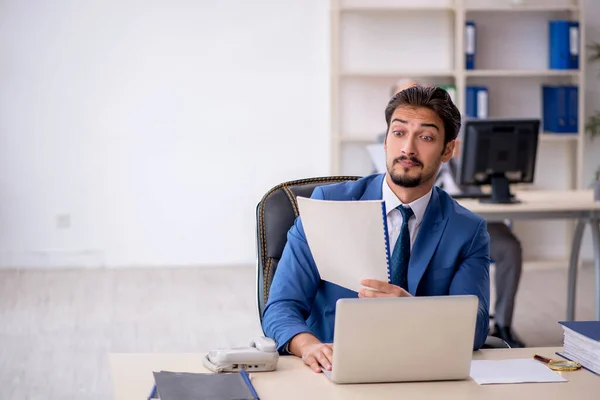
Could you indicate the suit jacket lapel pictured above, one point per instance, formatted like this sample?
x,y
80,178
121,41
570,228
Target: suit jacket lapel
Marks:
x,y
430,232
429,235
373,190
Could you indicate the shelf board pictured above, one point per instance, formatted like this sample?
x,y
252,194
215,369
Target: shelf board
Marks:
x,y
396,74
369,7
544,137
487,73
558,137
520,8
397,7
359,139
523,73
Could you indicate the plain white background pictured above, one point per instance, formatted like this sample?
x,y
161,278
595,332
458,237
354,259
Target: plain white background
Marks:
x,y
139,133
143,133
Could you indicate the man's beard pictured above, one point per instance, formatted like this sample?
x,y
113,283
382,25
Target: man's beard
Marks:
x,y
405,180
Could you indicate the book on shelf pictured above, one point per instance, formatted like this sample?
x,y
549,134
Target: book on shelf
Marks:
x,y
560,109
573,45
470,44
477,102
563,44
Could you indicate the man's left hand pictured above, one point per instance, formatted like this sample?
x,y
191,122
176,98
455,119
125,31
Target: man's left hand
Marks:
x,y
382,289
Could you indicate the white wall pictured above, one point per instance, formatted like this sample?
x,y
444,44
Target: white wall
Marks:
x,y
137,133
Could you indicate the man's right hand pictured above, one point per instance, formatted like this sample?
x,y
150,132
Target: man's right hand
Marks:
x,y
314,353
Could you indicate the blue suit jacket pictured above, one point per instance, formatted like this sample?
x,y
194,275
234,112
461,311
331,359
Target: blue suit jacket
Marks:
x,y
450,256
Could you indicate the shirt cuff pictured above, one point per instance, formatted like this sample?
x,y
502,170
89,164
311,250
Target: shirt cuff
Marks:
x,y
285,350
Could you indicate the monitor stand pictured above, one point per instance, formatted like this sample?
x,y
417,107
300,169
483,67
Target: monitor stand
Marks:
x,y
500,191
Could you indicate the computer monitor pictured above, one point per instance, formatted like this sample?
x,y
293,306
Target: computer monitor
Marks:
x,y
499,152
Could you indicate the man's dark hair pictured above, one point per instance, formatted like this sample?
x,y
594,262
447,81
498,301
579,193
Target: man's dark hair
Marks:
x,y
434,98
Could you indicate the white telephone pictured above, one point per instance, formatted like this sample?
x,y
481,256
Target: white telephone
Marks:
x,y
261,356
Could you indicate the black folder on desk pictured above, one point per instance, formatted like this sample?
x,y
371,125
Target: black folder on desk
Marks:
x,y
196,386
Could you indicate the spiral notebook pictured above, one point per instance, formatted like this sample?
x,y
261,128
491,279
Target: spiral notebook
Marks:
x,y
348,239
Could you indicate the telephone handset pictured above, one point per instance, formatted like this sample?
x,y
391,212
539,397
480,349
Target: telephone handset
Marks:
x,y
260,356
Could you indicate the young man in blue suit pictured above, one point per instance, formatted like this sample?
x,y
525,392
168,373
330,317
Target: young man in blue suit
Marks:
x,y
437,247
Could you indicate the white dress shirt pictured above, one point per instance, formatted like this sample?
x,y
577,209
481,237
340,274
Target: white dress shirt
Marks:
x,y
394,217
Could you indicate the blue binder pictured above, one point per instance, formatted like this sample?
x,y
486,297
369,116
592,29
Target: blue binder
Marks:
x,y
569,359
558,50
573,108
589,329
549,109
573,45
555,116
477,102
470,43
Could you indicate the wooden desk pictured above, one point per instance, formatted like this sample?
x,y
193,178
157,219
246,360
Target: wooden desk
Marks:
x,y
554,204
132,378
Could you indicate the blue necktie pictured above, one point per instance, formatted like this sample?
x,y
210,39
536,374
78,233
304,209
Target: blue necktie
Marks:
x,y
401,254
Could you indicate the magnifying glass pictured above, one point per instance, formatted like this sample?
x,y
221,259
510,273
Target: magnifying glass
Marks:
x,y
558,365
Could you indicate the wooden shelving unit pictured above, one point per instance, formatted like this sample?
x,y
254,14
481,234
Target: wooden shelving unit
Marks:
x,y
376,42
388,74
372,15
502,73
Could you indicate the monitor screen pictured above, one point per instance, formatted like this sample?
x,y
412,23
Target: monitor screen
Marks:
x,y
498,152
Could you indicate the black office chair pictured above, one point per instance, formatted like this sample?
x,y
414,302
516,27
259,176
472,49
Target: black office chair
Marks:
x,y
275,215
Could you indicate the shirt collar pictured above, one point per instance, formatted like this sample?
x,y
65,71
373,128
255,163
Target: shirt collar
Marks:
x,y
419,206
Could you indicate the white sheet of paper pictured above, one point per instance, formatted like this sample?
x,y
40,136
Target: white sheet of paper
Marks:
x,y
519,370
377,154
346,239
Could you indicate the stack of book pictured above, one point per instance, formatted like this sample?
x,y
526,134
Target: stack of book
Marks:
x,y
582,343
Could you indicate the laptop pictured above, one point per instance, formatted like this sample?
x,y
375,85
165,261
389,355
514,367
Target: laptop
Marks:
x,y
403,339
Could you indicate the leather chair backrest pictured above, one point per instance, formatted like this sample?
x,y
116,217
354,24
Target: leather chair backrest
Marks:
x,y
275,215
